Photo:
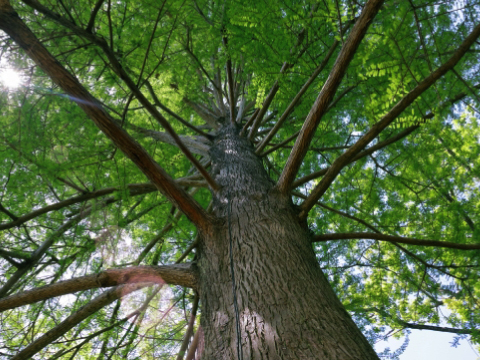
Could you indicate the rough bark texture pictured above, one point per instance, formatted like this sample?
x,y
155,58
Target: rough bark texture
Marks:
x,y
287,308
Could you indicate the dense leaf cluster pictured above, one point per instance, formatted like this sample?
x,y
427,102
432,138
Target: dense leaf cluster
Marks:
x,y
425,185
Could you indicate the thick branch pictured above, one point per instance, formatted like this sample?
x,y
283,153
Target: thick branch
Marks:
x,y
326,95
15,254
178,274
395,239
21,34
376,129
194,345
84,312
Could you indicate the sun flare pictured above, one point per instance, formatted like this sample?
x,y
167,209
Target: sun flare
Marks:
x,y
10,78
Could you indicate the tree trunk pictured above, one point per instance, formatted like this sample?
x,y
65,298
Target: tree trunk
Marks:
x,y
287,309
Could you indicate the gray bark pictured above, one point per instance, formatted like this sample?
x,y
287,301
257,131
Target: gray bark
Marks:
x,y
286,306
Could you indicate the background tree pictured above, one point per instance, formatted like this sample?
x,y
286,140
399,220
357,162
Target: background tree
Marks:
x,y
374,184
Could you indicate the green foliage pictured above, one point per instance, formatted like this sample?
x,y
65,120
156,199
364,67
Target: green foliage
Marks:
x,y
424,186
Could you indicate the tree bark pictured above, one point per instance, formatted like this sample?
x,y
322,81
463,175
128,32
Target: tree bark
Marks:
x,y
287,309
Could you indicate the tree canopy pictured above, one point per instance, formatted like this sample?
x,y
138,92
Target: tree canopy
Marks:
x,y
388,181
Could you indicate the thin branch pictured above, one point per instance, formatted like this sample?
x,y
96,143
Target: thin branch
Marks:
x,y
326,95
467,85
352,217
192,246
196,147
360,155
132,189
279,145
266,104
418,326
283,143
249,122
194,345
231,92
177,274
71,184
8,213
43,248
21,34
440,328
395,239
95,10
189,332
203,69
120,71
209,118
158,237
84,312
145,59
297,98
176,116
208,21
88,338
376,129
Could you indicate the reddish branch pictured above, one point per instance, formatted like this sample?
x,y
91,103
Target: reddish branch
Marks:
x,y
194,345
178,274
376,129
395,239
21,34
326,95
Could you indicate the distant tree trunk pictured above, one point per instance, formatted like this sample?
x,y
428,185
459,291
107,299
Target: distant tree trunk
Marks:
x,y
286,306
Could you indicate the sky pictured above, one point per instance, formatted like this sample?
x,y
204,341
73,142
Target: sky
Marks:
x,y
432,345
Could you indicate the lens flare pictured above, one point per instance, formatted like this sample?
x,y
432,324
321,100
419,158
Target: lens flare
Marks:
x,y
10,78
